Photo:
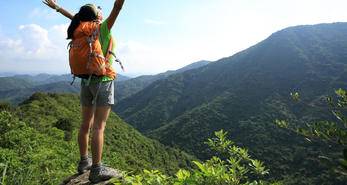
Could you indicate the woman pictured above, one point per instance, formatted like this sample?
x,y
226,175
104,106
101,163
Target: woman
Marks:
x,y
90,118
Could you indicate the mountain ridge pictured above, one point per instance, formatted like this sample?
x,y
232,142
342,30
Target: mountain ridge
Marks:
x,y
18,88
244,94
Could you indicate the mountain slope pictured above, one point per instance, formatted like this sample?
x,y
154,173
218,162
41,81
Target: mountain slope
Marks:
x,y
244,94
276,64
7,83
16,95
45,139
132,86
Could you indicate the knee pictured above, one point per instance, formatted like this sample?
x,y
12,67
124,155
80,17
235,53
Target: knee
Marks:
x,y
98,127
85,128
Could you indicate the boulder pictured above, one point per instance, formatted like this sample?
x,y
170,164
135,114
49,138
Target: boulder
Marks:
x,y
83,179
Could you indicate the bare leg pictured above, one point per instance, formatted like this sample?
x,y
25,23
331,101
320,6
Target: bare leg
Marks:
x,y
83,135
97,142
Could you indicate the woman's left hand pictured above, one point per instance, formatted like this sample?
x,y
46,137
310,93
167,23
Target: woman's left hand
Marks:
x,y
51,3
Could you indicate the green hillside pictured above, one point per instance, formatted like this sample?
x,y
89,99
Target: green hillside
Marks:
x,y
17,95
36,78
244,94
41,136
7,83
132,86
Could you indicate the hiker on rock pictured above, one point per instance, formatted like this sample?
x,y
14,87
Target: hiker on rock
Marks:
x,y
97,90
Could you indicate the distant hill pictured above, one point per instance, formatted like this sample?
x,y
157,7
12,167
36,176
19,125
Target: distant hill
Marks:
x,y
244,94
47,78
6,74
7,83
35,79
17,88
18,94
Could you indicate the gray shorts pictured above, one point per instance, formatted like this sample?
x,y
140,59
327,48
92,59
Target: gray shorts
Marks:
x,y
105,96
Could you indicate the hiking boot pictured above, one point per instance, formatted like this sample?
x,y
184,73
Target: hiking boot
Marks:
x,y
101,174
85,165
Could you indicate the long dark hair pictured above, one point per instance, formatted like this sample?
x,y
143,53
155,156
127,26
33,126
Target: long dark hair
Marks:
x,y
86,13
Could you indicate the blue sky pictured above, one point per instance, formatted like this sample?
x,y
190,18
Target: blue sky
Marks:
x,y
156,35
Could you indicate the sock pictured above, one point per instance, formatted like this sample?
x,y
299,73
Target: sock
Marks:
x,y
83,158
96,165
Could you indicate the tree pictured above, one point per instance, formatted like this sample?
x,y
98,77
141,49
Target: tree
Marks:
x,y
329,132
65,124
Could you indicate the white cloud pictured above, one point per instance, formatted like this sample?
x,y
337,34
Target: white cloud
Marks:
x,y
38,49
10,48
148,21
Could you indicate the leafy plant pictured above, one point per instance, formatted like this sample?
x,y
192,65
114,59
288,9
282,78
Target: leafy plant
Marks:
x,y
20,176
230,167
230,170
329,132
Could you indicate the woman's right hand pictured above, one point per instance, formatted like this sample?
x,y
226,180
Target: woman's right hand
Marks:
x,y
118,4
51,3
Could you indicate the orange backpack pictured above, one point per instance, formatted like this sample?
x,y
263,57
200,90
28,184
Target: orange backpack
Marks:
x,y
85,55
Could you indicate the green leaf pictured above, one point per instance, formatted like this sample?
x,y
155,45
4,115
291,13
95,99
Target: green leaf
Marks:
x,y
278,122
341,142
307,139
329,99
201,166
326,161
340,91
332,104
339,114
321,133
297,96
180,174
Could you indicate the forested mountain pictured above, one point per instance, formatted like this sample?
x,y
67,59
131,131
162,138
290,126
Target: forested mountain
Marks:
x,y
18,88
244,94
38,140
7,83
17,94
43,78
132,86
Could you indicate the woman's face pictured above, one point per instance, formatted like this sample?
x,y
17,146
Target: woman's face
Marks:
x,y
100,17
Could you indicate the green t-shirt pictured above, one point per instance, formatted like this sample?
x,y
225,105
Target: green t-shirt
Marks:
x,y
105,35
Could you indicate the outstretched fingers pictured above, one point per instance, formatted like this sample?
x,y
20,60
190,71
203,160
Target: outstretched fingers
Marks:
x,y
51,3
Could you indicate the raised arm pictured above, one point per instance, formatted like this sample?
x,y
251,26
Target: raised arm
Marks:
x,y
53,4
118,4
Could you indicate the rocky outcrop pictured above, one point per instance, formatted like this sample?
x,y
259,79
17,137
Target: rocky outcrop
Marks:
x,y
82,179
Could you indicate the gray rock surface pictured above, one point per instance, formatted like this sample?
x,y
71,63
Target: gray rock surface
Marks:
x,y
82,179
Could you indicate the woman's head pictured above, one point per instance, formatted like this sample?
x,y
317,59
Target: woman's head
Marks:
x,y
88,12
